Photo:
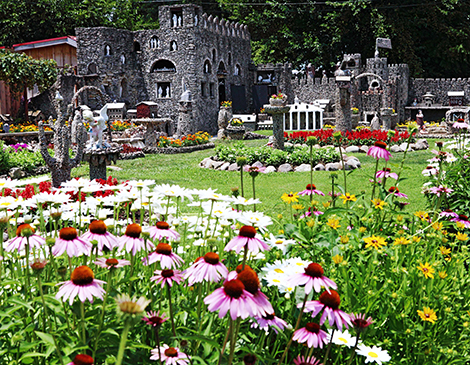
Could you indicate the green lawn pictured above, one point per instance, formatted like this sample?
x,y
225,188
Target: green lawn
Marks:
x,y
184,170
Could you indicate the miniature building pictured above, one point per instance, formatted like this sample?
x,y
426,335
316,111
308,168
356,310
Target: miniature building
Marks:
x,y
456,98
116,111
207,56
302,116
428,99
132,114
147,109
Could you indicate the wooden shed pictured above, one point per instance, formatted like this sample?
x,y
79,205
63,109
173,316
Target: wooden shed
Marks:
x,y
63,50
147,109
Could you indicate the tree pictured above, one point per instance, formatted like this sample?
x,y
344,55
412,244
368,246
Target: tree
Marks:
x,y
21,71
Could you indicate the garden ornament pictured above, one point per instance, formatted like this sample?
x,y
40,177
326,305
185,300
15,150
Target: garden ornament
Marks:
x,y
97,126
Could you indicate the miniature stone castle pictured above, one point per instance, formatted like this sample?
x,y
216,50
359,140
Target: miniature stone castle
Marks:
x,y
200,56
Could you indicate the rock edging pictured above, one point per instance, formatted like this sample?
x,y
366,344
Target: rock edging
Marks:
x,y
174,150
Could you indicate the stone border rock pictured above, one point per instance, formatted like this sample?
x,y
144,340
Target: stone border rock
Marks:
x,y
131,155
174,150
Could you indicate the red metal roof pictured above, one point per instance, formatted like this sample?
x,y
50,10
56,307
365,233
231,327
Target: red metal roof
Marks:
x,y
71,40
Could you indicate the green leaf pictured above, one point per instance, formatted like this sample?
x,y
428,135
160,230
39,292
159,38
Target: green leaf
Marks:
x,y
45,337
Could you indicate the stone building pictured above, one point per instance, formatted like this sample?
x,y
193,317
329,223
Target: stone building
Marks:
x,y
205,56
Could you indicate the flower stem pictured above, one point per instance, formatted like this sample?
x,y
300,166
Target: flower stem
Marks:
x,y
158,344
233,341
254,194
375,179
122,343
353,350
295,329
100,325
229,331
82,314
328,348
241,180
168,289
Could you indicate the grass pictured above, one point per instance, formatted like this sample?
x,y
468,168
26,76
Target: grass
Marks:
x,y
184,170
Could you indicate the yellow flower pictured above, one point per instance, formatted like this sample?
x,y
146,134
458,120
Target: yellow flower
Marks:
x,y
337,259
297,207
461,236
442,274
344,239
444,250
427,270
362,229
333,223
422,215
290,198
416,239
279,216
348,198
281,231
460,225
427,315
375,242
326,205
437,226
310,223
401,241
378,204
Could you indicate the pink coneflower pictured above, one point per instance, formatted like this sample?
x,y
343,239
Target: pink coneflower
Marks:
x,y
312,277
312,334
23,233
386,173
164,254
311,212
449,213
170,355
269,320
329,301
250,280
311,190
98,232
154,319
167,277
111,263
430,171
162,230
246,237
394,190
438,190
82,283
379,150
360,322
462,219
206,268
301,360
232,296
131,240
82,359
460,124
69,241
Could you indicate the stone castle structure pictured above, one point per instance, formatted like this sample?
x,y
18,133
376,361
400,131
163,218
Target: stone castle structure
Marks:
x,y
193,62
205,58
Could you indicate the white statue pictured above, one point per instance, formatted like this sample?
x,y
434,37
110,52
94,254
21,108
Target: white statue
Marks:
x,y
196,20
160,91
97,127
123,59
175,20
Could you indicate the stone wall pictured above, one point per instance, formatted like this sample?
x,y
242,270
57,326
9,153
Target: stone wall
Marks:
x,y
308,89
439,88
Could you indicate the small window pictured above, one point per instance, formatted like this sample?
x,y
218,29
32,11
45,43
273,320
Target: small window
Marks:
x,y
107,50
229,61
237,71
207,67
154,43
163,90
214,55
92,69
351,63
176,18
203,89
211,89
163,66
173,46
136,46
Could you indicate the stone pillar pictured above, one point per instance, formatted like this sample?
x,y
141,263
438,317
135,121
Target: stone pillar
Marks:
x,y
343,103
99,159
185,118
224,116
386,114
278,129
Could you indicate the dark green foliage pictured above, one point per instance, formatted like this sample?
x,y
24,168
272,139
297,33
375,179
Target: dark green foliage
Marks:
x,y
4,159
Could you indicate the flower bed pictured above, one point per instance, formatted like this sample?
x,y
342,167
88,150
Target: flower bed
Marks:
x,y
21,156
198,138
359,137
116,125
295,155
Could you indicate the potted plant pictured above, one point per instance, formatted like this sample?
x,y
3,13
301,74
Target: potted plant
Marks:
x,y
279,99
226,104
235,129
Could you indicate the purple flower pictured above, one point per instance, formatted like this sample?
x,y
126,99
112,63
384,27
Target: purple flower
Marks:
x,y
98,232
379,150
461,125
394,190
162,230
267,321
312,278
386,173
312,334
206,268
21,239
441,189
310,190
246,237
449,213
165,256
68,241
167,277
82,283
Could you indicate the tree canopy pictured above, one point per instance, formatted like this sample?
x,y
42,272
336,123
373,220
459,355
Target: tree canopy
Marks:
x,y
431,36
20,71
